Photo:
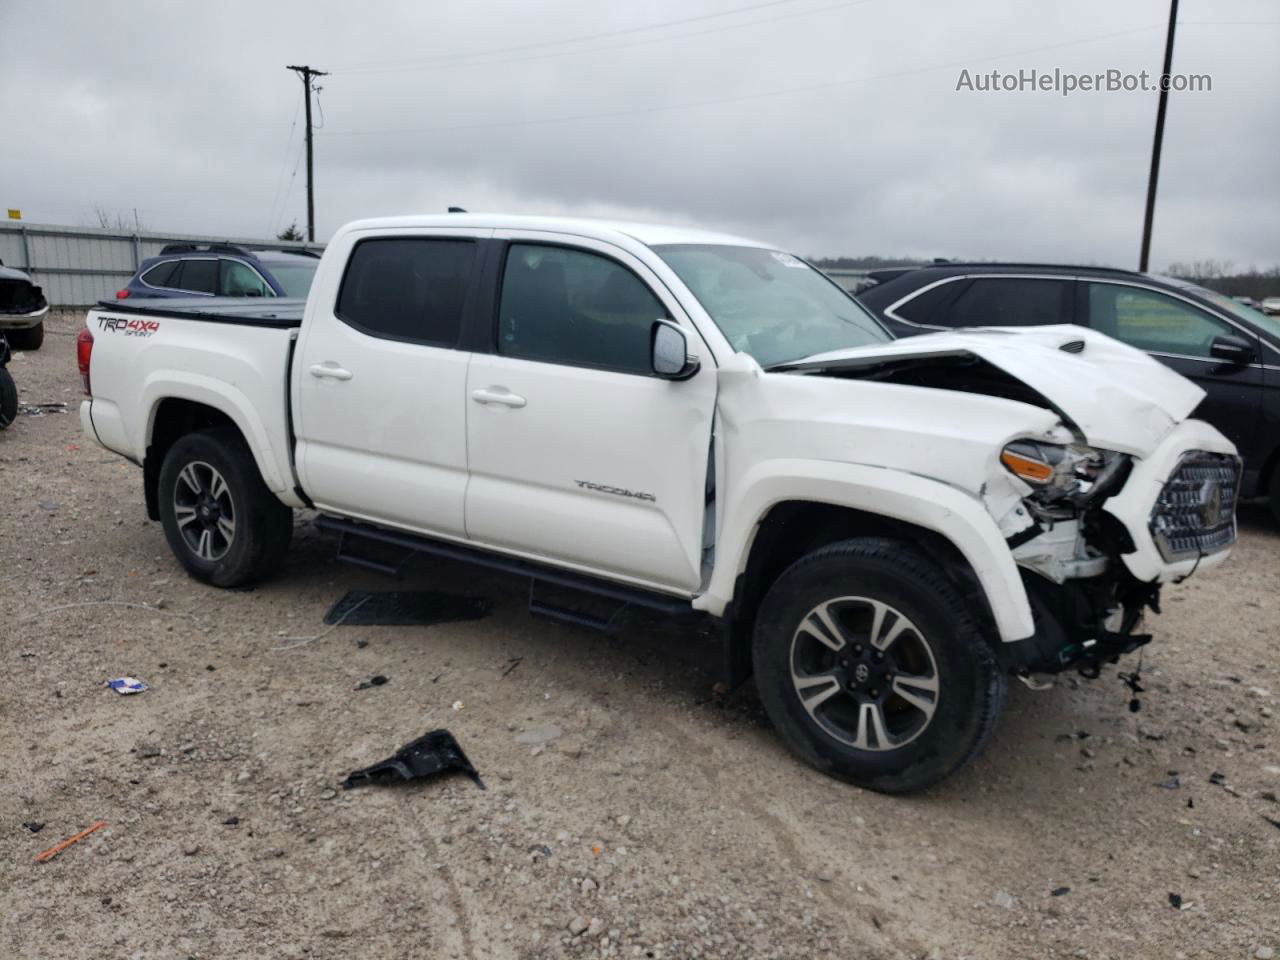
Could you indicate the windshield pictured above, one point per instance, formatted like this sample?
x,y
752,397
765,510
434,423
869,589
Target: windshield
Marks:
x,y
1257,318
295,278
770,304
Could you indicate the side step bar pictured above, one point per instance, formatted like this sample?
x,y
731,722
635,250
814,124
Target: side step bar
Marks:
x,y
350,531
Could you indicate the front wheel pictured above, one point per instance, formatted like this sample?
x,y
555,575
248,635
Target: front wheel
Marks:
x,y
873,668
220,519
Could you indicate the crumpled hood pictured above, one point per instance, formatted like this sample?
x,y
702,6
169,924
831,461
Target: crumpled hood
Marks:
x,y
1117,397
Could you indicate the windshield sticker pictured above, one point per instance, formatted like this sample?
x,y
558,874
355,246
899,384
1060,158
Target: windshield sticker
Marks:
x,y
787,260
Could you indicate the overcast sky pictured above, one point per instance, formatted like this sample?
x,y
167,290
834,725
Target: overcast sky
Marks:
x,y
827,127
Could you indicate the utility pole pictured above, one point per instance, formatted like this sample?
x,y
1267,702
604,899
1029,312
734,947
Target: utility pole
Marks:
x,y
1154,176
306,73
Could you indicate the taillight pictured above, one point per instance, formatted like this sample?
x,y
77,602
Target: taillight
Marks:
x,y
121,295
84,350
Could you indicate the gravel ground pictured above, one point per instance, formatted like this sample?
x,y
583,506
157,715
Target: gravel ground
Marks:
x,y
659,822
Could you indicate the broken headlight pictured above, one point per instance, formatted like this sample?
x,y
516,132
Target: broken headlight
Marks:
x,y
1063,478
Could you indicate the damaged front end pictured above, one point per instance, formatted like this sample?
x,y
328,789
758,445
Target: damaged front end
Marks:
x,y
19,296
1086,604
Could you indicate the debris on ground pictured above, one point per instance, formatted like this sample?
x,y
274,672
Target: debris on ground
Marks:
x,y
1175,901
126,685
405,608
376,680
432,753
35,826
1059,891
57,848
1173,783
539,736
512,663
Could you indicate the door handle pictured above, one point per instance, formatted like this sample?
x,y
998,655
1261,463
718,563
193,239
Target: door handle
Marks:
x,y
499,395
330,370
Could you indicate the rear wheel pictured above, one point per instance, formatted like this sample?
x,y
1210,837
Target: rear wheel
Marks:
x,y
8,399
220,519
872,666
29,338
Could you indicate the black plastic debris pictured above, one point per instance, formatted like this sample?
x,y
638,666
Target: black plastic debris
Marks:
x,y
35,826
1271,820
1175,901
1173,783
375,681
1059,891
432,753
1217,779
405,608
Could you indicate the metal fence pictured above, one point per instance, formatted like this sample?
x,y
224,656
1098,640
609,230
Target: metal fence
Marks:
x,y
78,266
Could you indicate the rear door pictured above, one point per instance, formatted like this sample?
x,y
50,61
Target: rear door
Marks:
x,y
578,454
1179,333
380,382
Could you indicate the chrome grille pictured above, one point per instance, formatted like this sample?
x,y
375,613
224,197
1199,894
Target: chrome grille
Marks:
x,y
1195,514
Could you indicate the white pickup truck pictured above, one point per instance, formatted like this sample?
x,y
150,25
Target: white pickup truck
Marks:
x,y
694,423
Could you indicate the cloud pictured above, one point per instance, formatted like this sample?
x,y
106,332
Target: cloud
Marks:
x,y
830,128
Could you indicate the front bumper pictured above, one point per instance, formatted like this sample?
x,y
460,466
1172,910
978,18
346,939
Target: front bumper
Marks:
x,y
1175,515
1134,504
21,321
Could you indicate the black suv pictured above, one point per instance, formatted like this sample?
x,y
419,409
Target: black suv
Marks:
x,y
1228,349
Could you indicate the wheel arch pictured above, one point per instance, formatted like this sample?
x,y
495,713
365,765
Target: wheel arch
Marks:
x,y
171,419
799,507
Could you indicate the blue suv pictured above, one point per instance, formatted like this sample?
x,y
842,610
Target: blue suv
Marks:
x,y
223,270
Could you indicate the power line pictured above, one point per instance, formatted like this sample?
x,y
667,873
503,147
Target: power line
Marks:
x,y
587,51
787,91
275,198
446,57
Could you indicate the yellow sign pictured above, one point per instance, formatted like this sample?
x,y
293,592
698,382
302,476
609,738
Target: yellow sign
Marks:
x,y
15,214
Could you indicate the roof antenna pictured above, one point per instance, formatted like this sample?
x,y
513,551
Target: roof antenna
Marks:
x,y
456,210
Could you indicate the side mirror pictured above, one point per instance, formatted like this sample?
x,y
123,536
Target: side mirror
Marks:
x,y
1232,349
669,352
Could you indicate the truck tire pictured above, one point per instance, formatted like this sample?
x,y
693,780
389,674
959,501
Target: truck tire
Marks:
x,y
221,521
28,338
8,399
873,667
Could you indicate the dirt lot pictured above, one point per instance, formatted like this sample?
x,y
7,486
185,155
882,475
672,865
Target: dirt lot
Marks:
x,y
674,825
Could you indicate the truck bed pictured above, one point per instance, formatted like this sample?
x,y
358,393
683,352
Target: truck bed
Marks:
x,y
279,312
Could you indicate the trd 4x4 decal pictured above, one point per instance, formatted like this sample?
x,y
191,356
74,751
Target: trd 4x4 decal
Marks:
x,y
130,328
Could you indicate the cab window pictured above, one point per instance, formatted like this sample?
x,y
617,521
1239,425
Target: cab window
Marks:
x,y
408,288
560,305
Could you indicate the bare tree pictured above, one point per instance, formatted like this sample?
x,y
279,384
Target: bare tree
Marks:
x,y
115,220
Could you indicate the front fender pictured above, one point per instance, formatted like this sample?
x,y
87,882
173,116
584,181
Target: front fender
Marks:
x,y
910,498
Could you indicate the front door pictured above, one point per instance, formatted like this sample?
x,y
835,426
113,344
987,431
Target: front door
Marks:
x,y
380,384
578,454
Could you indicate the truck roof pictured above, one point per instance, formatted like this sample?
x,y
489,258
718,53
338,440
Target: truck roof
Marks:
x,y
649,234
